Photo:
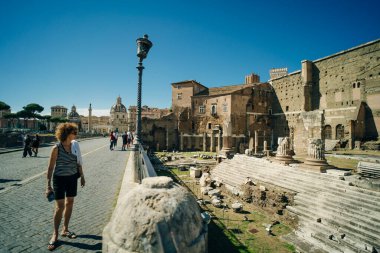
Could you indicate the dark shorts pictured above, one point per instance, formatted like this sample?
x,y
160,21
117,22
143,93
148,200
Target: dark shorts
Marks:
x,y
65,186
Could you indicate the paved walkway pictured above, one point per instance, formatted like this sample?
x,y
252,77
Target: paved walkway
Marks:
x,y
26,215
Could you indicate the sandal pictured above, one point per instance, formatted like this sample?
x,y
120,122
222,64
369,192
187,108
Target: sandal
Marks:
x,y
69,234
52,245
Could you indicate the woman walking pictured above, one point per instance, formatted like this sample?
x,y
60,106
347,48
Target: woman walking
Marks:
x,y
64,167
36,144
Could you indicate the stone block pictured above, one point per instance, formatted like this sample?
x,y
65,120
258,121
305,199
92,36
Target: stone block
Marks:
x,y
195,172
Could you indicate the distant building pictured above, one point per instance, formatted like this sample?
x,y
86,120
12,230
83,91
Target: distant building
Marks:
x,y
118,116
146,112
74,117
58,111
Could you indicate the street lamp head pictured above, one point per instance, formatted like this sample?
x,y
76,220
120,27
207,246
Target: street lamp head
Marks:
x,y
143,46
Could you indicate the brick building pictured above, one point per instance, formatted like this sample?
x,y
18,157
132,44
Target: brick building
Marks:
x,y
336,98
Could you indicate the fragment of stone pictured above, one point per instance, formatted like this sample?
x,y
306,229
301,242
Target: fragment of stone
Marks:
x,y
205,189
248,181
262,188
205,179
235,192
195,172
214,192
216,202
149,213
237,207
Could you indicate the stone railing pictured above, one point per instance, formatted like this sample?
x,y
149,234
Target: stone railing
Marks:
x,y
153,214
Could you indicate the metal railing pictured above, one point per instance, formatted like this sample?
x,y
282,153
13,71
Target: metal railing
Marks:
x,y
144,167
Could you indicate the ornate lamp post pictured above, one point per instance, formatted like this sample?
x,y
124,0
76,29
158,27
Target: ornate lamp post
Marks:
x,y
143,46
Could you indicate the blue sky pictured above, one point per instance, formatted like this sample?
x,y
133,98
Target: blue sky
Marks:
x,y
63,52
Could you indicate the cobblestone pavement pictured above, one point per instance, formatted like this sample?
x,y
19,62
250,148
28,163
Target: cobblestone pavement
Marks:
x,y
26,215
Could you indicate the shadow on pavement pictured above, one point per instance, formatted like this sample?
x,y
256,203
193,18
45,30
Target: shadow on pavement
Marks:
x,y
85,246
8,180
95,237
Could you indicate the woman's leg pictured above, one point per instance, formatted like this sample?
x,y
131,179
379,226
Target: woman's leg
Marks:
x,y
59,206
67,214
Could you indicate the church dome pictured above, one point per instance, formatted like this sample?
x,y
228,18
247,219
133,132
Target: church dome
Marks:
x,y
73,113
118,107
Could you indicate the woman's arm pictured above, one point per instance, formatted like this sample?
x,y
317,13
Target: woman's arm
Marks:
x,y
80,164
49,174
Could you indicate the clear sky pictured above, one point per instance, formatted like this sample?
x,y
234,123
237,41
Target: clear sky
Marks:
x,y
76,52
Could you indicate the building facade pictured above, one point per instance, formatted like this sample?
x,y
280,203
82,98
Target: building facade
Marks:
x,y
118,117
58,111
335,98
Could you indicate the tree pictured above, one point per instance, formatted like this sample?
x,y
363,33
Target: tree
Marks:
x,y
4,106
25,115
11,117
32,110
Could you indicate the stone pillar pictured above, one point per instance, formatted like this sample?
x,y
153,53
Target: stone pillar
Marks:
x,y
167,139
264,139
271,140
306,74
181,142
189,142
212,143
204,142
251,143
227,139
316,156
219,141
256,141
89,119
284,152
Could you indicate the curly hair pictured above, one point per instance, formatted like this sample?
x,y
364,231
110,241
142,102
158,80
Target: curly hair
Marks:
x,y
65,129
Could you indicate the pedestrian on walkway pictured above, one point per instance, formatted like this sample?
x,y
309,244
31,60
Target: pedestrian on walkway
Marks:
x,y
112,140
129,139
36,144
64,167
124,138
116,134
27,146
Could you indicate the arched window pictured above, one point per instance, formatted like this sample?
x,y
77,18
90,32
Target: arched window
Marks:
x,y
327,132
213,109
339,131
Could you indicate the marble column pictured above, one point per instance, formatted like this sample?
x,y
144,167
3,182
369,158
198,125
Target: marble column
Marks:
x,y
181,142
204,142
212,143
219,141
256,141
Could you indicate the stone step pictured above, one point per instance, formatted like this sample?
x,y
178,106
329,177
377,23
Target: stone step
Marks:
x,y
284,182
310,182
321,233
358,235
343,208
350,240
302,245
341,220
307,230
315,175
352,211
342,201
